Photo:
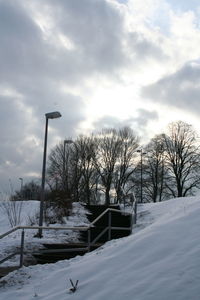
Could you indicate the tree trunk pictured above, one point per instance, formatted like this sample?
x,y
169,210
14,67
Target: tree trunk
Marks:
x,y
107,196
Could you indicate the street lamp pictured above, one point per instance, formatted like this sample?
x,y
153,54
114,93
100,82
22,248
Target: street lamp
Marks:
x,y
141,173
51,115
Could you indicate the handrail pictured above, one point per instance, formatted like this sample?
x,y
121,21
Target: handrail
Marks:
x,y
83,228
43,227
64,228
134,203
8,232
110,227
105,211
8,257
132,199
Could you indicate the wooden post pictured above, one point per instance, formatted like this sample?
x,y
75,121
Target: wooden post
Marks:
x,y
109,225
22,250
132,220
89,238
135,212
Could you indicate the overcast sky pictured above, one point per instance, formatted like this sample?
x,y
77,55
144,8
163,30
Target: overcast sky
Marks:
x,y
101,63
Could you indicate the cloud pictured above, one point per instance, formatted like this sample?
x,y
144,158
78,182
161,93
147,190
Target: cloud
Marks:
x,y
185,5
57,55
138,123
145,49
181,89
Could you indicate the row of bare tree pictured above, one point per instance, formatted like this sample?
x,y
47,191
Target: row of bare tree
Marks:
x,y
108,164
93,165
172,163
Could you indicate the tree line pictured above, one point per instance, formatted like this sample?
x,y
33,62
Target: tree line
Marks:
x,y
112,164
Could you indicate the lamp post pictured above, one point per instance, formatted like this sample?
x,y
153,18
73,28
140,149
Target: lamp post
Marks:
x,y
21,179
51,115
141,173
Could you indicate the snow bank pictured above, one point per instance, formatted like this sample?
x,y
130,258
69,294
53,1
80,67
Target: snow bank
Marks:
x,y
160,262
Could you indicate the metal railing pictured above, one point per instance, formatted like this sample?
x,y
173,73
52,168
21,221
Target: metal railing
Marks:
x,y
90,243
21,252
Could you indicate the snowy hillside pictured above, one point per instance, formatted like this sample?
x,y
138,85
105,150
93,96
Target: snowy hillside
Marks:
x,y
160,261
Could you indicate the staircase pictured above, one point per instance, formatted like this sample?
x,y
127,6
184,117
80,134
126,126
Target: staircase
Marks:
x,y
55,252
122,223
120,226
106,223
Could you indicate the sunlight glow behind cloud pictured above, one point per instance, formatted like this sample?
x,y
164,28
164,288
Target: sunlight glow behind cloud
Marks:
x,y
98,62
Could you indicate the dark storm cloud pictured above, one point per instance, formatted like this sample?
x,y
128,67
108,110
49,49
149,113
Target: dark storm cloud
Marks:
x,y
181,89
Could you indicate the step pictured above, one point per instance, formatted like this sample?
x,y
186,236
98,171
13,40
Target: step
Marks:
x,y
6,270
57,251
52,257
70,245
95,231
117,220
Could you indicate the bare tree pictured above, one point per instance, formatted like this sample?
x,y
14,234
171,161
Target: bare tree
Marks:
x,y
62,164
55,167
108,146
126,161
13,210
85,149
154,170
71,169
182,159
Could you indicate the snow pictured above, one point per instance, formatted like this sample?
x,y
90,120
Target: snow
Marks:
x,y
159,261
29,210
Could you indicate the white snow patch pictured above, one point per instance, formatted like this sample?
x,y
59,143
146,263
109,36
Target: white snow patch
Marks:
x,y
160,262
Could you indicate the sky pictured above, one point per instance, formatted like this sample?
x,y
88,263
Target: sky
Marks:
x,y
100,63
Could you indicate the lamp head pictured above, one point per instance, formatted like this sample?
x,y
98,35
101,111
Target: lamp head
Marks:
x,y
53,115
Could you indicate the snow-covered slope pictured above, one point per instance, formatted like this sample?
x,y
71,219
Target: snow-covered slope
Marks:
x,y
159,262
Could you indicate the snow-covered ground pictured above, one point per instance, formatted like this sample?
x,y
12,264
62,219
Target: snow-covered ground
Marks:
x,y
159,261
29,210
